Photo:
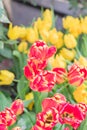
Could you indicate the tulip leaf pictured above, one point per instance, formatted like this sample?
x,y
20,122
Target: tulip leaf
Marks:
x,y
1,45
4,101
6,52
3,16
27,102
25,121
22,87
83,125
38,97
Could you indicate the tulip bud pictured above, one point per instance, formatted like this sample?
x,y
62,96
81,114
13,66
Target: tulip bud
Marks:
x,y
17,106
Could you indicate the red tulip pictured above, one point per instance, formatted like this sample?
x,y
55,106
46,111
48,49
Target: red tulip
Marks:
x,y
77,75
3,127
43,82
41,51
47,119
60,75
70,114
9,116
17,106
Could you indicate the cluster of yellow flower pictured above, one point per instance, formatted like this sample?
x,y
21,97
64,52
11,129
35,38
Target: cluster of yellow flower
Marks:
x,y
80,94
75,26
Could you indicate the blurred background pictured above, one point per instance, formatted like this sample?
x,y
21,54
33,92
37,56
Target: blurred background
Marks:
x,y
23,12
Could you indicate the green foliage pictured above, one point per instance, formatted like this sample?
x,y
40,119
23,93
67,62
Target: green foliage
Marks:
x,y
82,44
22,87
4,101
83,125
38,97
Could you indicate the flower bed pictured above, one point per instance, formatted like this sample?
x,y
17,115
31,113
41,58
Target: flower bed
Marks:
x,y
40,90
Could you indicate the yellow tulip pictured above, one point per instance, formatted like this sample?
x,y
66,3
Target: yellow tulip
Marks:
x,y
44,35
47,14
82,61
73,25
84,24
60,41
68,54
80,94
70,41
32,35
6,77
53,36
30,96
22,47
16,32
57,61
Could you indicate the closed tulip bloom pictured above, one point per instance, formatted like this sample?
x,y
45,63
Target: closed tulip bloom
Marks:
x,y
83,94
44,33
30,96
68,54
53,36
70,41
60,75
41,51
16,32
77,75
6,77
23,46
57,61
82,61
31,35
17,107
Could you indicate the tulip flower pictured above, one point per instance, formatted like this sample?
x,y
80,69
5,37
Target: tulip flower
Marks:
x,y
30,96
16,32
17,107
77,75
60,74
43,81
70,41
47,119
9,116
70,114
3,127
6,77
41,51
33,67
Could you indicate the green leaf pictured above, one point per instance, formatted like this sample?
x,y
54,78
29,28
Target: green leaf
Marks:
x,y
38,97
22,87
4,101
25,122
7,53
11,42
3,16
1,45
27,102
83,125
